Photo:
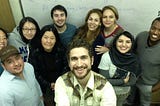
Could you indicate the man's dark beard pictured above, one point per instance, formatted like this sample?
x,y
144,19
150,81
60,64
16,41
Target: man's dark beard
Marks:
x,y
59,26
84,67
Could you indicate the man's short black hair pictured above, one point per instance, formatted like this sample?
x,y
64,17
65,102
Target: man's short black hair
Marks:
x,y
58,7
156,19
76,43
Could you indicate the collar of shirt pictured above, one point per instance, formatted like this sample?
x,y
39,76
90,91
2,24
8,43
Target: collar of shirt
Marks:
x,y
90,83
8,75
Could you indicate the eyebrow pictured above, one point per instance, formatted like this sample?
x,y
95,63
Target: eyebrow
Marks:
x,y
82,56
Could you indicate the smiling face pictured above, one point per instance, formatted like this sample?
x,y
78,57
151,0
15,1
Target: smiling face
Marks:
x,y
59,18
93,21
29,30
80,62
48,41
3,40
155,31
109,18
14,64
123,44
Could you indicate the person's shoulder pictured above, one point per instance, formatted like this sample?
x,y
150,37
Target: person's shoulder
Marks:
x,y
118,30
106,55
15,31
69,25
63,78
4,81
99,76
142,34
28,69
28,65
14,39
105,59
14,35
119,27
51,24
66,75
99,80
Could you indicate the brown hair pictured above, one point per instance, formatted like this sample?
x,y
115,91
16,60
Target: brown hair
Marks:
x,y
96,10
82,32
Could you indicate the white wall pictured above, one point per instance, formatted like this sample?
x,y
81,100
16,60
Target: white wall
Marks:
x,y
77,9
135,16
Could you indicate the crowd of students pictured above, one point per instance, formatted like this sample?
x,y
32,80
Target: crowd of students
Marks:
x,y
97,64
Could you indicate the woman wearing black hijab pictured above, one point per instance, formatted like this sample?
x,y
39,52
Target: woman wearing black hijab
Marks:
x,y
120,65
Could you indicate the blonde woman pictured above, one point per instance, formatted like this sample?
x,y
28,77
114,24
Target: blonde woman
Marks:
x,y
110,27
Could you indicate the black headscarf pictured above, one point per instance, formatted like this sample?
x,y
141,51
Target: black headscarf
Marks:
x,y
127,61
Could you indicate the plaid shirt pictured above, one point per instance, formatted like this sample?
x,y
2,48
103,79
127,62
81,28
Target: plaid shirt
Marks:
x,y
98,91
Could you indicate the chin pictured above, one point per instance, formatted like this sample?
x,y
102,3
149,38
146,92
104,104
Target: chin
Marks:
x,y
123,52
59,25
29,38
18,72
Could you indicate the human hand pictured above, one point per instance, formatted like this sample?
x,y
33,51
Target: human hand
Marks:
x,y
156,87
127,78
101,49
52,86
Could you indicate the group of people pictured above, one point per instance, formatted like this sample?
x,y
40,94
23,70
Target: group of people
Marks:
x,y
97,64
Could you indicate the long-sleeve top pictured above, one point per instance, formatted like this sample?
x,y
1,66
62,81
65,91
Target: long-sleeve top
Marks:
x,y
68,34
149,59
99,41
109,70
15,40
98,91
109,38
18,92
48,66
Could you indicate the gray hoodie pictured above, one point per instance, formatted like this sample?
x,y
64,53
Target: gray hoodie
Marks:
x,y
16,40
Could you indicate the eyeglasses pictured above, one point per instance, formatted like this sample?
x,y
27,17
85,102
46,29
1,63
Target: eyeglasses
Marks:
x,y
29,29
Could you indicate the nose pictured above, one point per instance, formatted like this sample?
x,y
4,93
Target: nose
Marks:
x,y
107,19
156,32
15,62
29,31
79,62
48,40
123,44
59,17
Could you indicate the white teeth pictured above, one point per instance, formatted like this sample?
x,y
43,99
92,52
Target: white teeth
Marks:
x,y
80,69
154,36
92,26
123,48
60,22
